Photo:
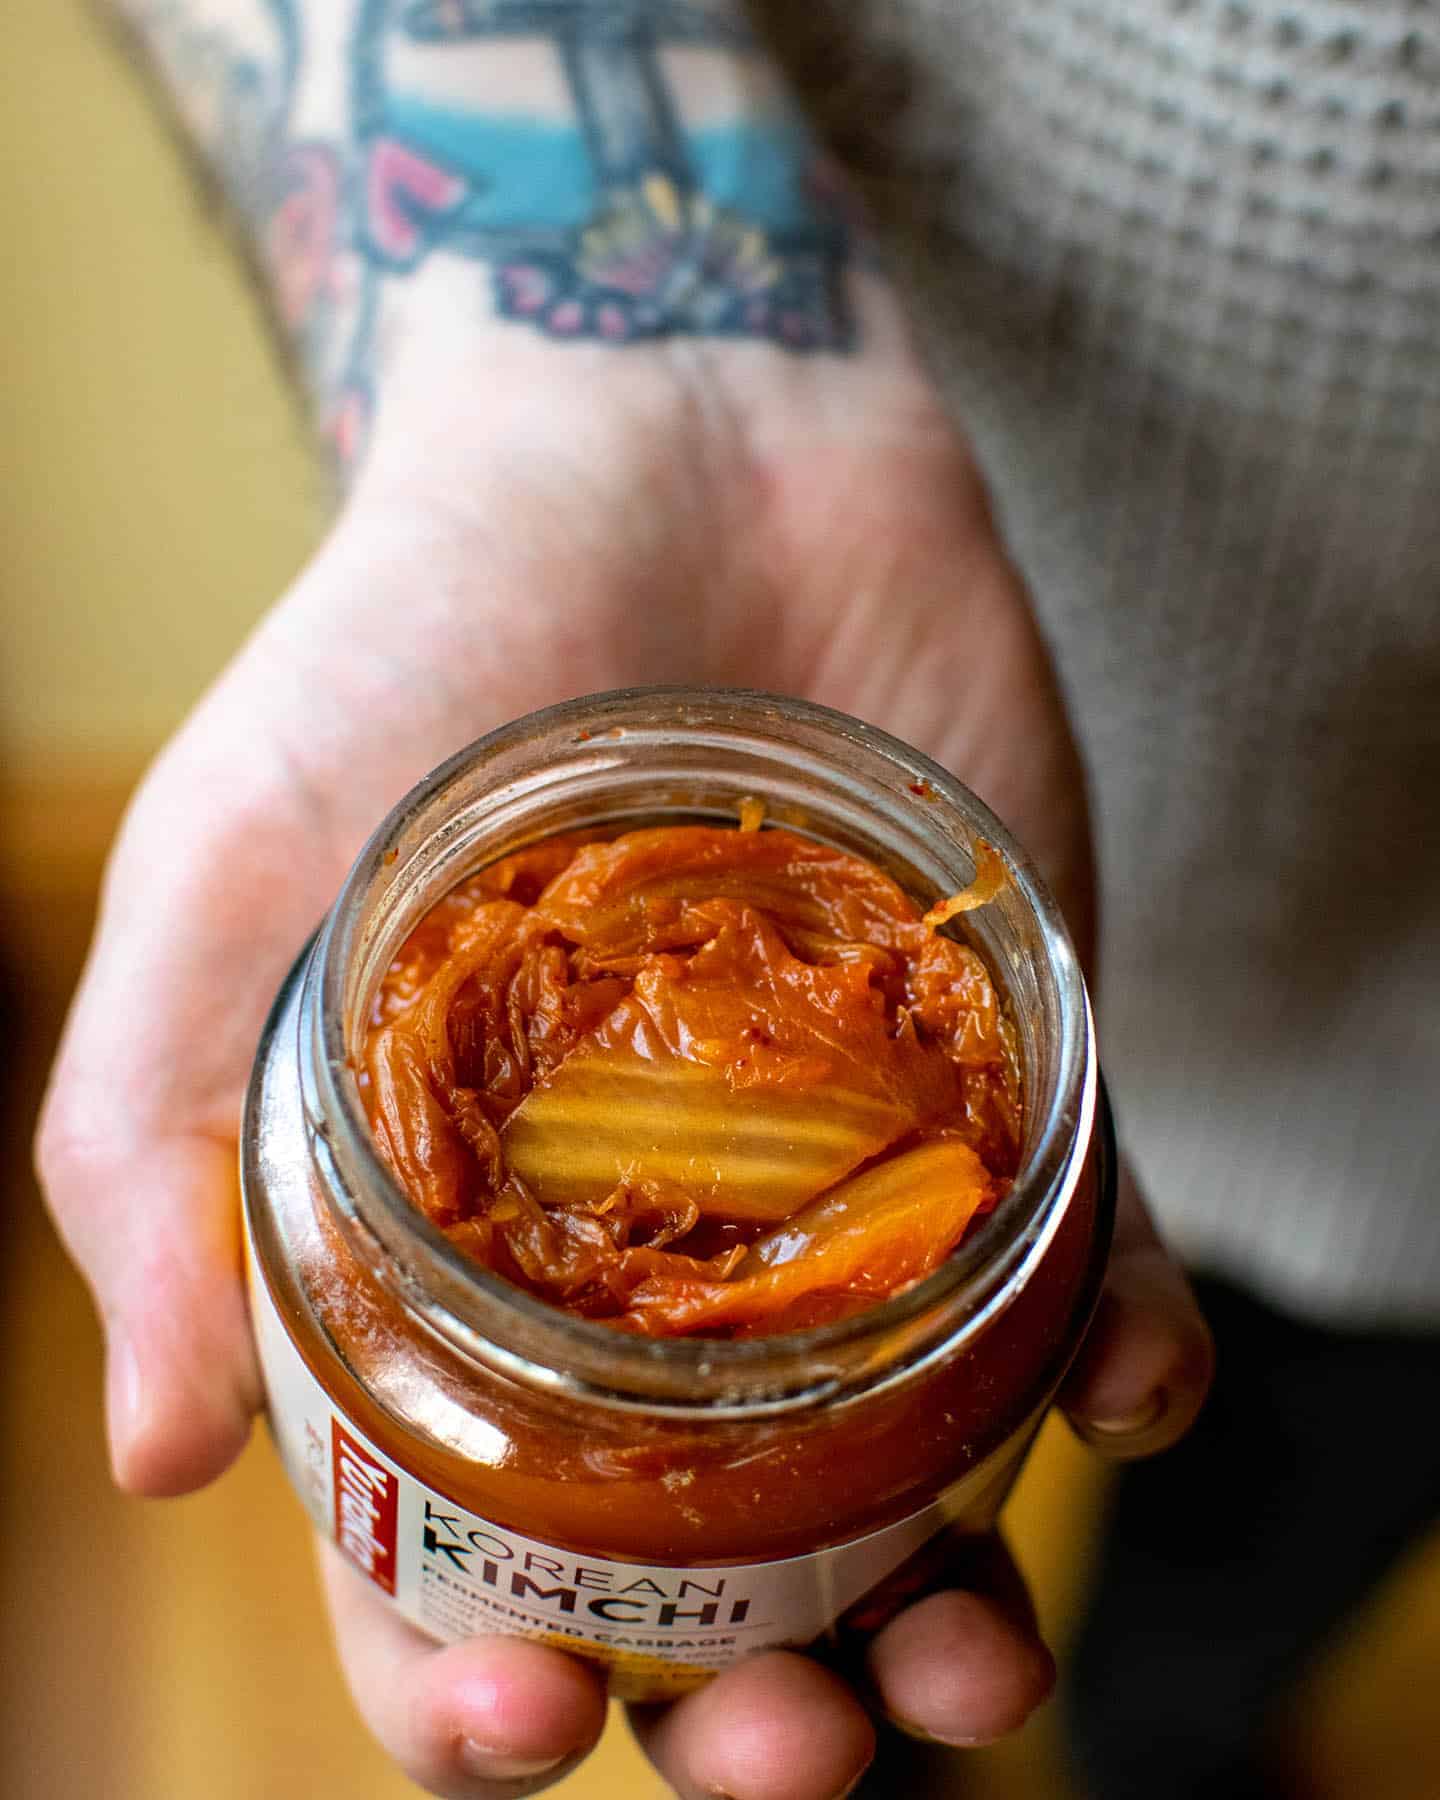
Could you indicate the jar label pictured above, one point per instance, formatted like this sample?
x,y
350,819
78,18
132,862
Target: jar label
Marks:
x,y
661,1629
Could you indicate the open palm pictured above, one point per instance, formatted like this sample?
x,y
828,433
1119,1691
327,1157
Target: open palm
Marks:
x,y
646,539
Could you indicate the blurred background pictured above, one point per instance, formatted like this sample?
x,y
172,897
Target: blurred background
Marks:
x,y
156,491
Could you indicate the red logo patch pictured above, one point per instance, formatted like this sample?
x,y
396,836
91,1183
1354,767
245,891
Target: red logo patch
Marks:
x,y
366,1505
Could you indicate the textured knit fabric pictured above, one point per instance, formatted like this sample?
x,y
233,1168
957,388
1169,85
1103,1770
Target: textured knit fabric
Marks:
x,y
1178,262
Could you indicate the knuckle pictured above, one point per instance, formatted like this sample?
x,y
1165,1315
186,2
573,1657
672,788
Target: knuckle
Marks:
x,y
56,1145
68,1153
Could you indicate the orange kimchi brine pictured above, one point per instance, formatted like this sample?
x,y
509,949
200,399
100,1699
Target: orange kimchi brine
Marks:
x,y
676,1179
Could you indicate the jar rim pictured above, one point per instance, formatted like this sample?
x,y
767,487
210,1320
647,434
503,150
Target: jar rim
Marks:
x,y
480,1314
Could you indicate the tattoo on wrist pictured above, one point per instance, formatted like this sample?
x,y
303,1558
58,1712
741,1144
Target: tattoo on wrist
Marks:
x,y
618,170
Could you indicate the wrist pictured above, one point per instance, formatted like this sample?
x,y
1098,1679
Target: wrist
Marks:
x,y
458,394
619,175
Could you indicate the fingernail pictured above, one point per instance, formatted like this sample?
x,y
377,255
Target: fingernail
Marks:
x,y
922,1736
502,1765
1126,1425
845,1792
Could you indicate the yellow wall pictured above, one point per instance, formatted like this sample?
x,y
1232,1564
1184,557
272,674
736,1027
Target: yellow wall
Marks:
x,y
155,485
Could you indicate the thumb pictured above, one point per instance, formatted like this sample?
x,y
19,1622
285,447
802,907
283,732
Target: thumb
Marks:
x,y
1144,1369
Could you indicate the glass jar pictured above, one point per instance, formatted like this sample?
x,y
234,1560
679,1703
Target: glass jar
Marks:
x,y
664,1506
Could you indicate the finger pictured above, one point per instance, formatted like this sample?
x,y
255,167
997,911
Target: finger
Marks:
x,y
776,1727
137,1141
1145,1367
964,1666
155,1231
491,1717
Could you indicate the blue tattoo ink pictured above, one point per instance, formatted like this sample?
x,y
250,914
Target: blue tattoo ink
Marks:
x,y
523,175
621,226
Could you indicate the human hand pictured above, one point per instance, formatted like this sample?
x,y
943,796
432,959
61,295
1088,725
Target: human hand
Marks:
x,y
794,525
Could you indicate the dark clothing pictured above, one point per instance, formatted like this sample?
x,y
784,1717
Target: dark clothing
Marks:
x,y
1228,1562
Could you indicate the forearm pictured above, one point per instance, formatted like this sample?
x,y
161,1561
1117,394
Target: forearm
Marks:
x,y
449,179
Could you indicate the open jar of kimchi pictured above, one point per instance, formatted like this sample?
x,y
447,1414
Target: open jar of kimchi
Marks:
x,y
661,1506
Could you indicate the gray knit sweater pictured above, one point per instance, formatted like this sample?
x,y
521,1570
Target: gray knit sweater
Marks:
x,y
1179,265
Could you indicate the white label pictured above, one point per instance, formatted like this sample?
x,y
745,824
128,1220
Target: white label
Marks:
x,y
456,1575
